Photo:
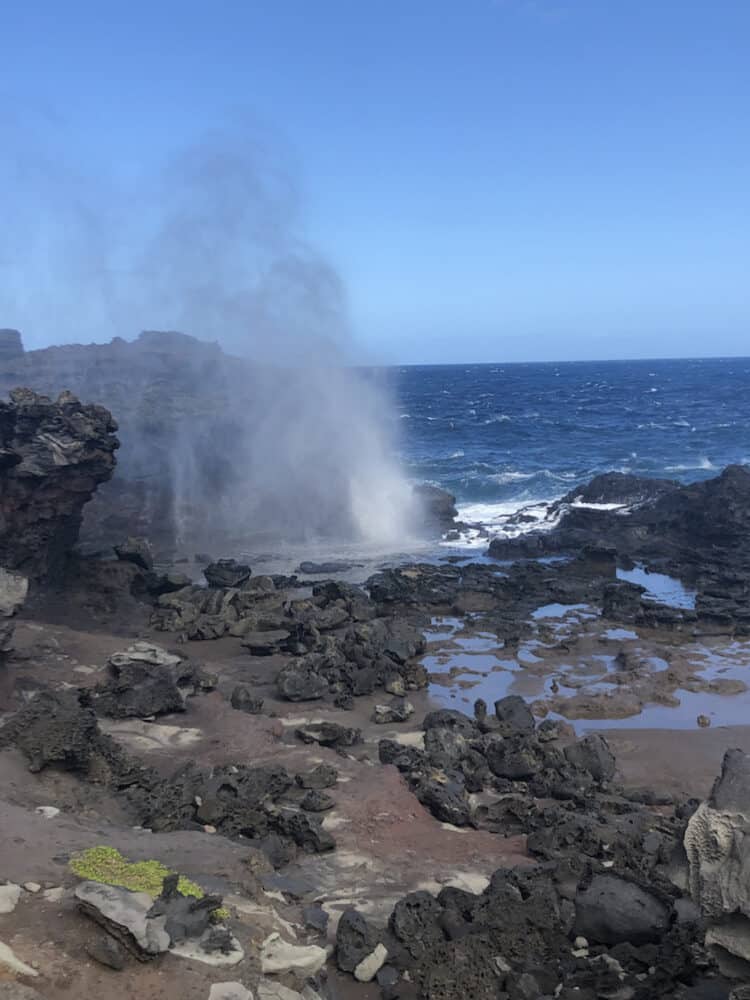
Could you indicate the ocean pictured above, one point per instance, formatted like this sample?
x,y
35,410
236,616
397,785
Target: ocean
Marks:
x,y
503,436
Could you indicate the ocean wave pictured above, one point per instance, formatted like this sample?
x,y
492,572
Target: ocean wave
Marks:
x,y
457,454
704,464
511,477
499,418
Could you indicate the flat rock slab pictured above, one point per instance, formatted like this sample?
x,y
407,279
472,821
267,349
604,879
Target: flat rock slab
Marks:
x,y
229,991
279,956
125,915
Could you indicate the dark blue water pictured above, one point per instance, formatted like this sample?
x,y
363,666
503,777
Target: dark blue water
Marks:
x,y
510,434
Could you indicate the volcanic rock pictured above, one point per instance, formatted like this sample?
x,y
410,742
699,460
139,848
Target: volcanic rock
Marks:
x,y
399,710
612,910
322,776
592,754
53,456
297,681
329,734
137,551
438,507
514,715
356,939
146,680
244,701
126,916
226,573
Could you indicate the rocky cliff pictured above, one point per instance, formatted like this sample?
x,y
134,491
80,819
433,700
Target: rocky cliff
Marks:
x,y
53,456
170,394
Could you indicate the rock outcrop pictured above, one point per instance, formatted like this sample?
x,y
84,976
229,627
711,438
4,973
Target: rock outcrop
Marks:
x,y
53,456
699,533
717,843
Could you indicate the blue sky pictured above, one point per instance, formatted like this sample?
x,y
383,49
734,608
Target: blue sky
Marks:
x,y
493,180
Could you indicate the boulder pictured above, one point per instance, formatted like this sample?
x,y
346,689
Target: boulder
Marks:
x,y
297,681
415,921
322,776
612,911
717,845
146,680
592,754
437,507
126,916
137,551
226,573
184,916
356,940
316,801
514,715
244,701
451,719
399,710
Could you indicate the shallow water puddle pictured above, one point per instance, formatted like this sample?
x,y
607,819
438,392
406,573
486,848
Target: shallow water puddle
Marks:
x,y
659,587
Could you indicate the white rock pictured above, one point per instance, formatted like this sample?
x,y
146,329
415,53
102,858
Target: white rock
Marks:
x,y
13,590
196,951
48,812
268,990
129,911
277,955
53,895
145,652
9,896
32,886
229,991
11,960
368,968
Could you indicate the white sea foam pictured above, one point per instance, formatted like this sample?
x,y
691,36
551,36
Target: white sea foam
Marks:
x,y
703,463
581,505
497,519
498,418
511,477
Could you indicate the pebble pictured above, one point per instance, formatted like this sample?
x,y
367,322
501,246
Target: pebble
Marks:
x,y
368,968
32,886
54,895
49,812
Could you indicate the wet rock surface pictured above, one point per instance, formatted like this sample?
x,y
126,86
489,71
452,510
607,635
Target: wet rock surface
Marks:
x,y
699,533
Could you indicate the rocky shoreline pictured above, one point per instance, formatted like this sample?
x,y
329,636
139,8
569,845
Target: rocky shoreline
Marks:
x,y
219,783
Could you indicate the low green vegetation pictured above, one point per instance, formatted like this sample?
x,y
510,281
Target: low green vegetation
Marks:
x,y
106,864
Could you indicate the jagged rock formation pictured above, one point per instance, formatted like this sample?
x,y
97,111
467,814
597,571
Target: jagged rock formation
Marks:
x,y
717,843
53,456
155,386
699,533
